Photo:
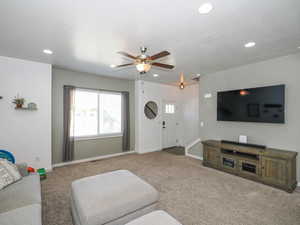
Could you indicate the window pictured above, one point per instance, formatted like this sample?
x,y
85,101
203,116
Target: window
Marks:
x,y
97,113
170,108
86,113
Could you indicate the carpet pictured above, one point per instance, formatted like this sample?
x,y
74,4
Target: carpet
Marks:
x,y
193,194
175,150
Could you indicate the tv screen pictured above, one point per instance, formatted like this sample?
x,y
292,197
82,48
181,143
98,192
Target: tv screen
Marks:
x,y
263,104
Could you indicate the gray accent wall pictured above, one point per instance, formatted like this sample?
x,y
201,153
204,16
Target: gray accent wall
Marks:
x,y
94,147
283,70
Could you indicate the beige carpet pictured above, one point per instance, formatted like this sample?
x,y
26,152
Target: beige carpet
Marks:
x,y
193,194
175,150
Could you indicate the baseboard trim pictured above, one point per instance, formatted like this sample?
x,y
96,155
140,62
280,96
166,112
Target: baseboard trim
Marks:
x,y
194,156
148,151
91,159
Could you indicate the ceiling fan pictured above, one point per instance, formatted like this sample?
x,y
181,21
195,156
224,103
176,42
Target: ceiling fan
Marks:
x,y
182,83
144,62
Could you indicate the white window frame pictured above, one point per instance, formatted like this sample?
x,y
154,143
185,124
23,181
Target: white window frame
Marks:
x,y
100,136
167,108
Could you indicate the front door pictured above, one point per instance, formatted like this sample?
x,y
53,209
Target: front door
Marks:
x,y
169,125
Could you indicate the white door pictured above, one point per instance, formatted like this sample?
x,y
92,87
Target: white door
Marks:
x,y
169,125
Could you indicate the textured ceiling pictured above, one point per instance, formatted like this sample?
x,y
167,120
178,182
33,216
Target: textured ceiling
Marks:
x,y
86,34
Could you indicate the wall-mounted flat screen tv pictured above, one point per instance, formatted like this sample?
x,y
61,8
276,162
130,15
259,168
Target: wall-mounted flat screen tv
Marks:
x,y
263,104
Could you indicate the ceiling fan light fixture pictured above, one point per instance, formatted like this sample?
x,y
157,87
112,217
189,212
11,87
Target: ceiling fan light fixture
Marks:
x,y
181,86
143,62
143,67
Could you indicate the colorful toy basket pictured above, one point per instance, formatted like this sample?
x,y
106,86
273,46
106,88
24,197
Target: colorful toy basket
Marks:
x,y
7,155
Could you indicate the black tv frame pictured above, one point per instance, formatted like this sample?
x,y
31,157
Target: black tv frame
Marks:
x,y
269,105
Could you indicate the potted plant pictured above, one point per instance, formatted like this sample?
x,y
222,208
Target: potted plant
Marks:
x,y
19,102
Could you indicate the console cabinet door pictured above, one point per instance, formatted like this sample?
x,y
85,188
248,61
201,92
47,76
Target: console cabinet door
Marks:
x,y
274,171
211,156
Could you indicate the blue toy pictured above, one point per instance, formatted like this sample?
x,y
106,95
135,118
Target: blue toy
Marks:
x,y
7,155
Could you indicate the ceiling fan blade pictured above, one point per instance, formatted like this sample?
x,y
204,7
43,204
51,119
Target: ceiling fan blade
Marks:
x,y
160,55
128,64
127,55
166,66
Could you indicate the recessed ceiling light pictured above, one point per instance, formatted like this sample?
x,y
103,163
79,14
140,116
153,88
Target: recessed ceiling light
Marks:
x,y
250,44
48,51
299,47
155,75
113,66
205,8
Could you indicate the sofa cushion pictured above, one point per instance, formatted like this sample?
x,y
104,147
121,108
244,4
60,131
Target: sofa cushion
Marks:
x,y
158,217
24,192
27,215
8,173
107,197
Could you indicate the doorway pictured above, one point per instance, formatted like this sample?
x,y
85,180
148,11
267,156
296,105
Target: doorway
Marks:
x,y
169,124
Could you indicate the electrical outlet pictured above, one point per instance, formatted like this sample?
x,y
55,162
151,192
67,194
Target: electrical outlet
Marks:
x,y
202,124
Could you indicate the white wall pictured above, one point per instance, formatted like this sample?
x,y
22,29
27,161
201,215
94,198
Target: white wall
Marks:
x,y
27,134
148,134
190,114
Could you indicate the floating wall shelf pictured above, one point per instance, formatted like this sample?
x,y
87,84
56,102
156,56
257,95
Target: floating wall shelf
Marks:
x,y
29,109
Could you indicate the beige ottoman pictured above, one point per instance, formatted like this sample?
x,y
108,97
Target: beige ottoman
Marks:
x,y
155,218
113,198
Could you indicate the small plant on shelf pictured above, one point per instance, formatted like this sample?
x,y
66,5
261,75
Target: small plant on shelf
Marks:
x,y
19,102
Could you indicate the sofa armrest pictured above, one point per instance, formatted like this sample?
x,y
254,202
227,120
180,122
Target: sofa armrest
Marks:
x,y
22,167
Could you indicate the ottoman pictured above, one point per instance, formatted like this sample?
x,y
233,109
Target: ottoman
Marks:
x,y
113,198
155,218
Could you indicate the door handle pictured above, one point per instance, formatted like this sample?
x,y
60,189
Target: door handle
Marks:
x,y
164,124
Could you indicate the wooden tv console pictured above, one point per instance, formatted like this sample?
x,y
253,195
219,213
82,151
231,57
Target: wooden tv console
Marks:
x,y
266,165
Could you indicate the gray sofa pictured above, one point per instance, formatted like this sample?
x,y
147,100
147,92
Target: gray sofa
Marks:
x,y
20,203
